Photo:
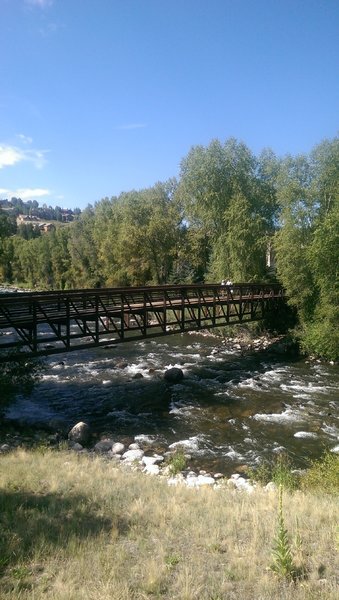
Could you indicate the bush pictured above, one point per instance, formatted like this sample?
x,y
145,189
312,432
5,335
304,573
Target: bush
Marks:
x,y
321,336
323,474
280,472
177,462
18,376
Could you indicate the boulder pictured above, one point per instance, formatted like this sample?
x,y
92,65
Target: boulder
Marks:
x,y
77,447
103,446
173,375
137,376
80,433
134,446
5,448
118,448
132,455
152,460
152,469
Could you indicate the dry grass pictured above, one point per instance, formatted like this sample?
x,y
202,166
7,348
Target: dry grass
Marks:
x,y
80,528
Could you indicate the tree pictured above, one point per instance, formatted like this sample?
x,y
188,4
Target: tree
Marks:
x,y
307,244
224,194
85,270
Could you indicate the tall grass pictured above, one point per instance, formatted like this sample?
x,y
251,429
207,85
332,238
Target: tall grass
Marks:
x,y
76,527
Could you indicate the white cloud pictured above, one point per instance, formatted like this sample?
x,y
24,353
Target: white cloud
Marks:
x,y
11,155
24,138
25,193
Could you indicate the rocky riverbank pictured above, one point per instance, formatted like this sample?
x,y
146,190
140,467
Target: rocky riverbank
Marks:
x,y
138,455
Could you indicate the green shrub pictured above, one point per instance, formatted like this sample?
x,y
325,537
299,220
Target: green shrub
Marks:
x,y
177,462
321,337
280,472
323,474
18,376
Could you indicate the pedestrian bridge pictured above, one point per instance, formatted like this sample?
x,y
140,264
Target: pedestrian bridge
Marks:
x,y
42,323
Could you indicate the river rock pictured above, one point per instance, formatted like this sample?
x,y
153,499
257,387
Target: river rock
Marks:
x,y
132,455
103,446
152,469
5,448
134,446
152,460
240,483
199,480
76,447
270,487
176,480
113,456
174,375
118,448
80,433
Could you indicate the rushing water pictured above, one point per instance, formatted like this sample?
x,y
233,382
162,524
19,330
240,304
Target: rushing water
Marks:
x,y
228,410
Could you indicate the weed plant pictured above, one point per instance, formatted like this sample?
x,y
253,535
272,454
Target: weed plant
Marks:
x,y
283,564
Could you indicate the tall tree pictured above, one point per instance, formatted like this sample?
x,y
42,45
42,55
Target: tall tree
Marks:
x,y
223,194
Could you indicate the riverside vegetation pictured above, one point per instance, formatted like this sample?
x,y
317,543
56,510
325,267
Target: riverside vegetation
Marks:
x,y
77,526
225,213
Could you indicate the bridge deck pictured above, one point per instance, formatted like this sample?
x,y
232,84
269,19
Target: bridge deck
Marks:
x,y
51,322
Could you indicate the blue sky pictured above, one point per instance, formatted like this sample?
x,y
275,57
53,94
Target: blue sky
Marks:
x,y
103,96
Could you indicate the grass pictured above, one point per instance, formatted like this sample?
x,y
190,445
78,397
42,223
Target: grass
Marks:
x,y
79,527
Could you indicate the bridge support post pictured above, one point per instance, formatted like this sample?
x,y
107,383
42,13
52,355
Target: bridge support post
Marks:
x,y
68,325
182,324
97,319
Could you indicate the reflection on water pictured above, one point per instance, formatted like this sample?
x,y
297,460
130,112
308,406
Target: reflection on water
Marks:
x,y
228,409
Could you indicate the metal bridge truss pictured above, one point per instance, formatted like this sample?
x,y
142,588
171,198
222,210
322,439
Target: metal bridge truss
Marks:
x,y
33,324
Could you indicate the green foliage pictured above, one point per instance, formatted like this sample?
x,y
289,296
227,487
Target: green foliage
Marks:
x,y
279,472
171,560
216,222
323,475
225,195
18,376
307,244
283,564
321,336
177,462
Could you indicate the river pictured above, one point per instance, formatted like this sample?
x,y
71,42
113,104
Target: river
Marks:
x,y
229,410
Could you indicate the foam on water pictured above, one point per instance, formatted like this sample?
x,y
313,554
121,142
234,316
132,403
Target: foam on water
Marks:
x,y
286,416
146,439
193,444
331,430
254,384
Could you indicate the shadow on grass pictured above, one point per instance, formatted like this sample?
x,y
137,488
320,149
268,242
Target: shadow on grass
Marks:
x,y
41,523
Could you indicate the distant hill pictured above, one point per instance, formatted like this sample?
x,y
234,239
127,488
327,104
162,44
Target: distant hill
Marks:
x,y
31,208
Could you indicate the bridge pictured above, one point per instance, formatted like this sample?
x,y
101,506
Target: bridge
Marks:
x,y
43,323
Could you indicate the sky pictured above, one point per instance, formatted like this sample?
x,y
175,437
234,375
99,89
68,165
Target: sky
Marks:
x,y
100,97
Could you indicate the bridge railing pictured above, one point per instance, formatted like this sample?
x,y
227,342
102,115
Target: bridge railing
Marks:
x,y
48,322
